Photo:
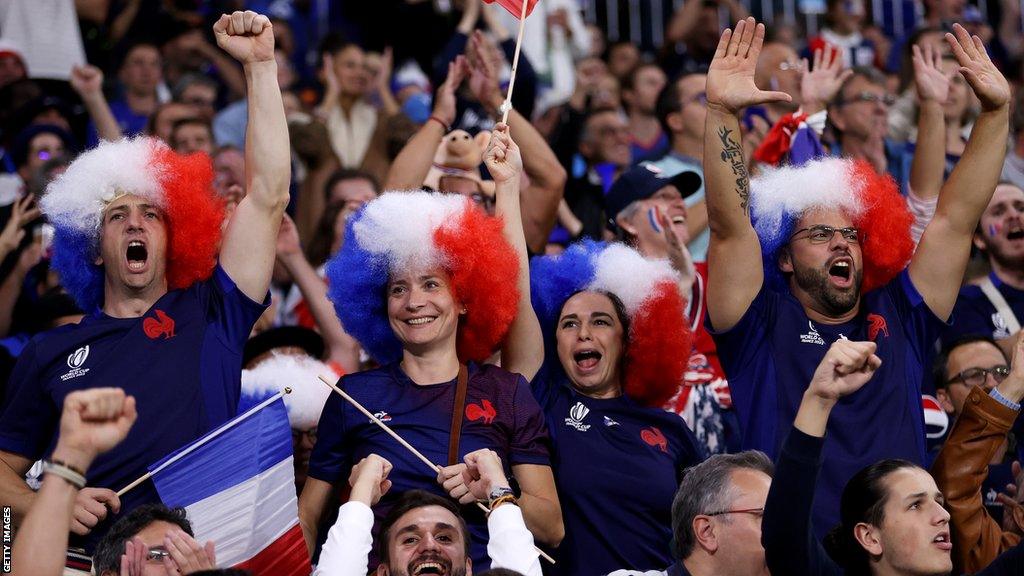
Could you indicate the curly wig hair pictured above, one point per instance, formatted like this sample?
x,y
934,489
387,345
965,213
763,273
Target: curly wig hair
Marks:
x,y
401,230
659,340
182,186
780,196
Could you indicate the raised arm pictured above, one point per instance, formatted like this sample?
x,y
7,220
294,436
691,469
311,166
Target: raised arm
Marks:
x,y
547,177
93,421
735,275
341,348
962,466
523,351
347,548
946,244
248,251
412,164
790,545
88,83
927,170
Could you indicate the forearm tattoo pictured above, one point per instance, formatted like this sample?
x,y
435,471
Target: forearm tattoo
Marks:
x,y
732,154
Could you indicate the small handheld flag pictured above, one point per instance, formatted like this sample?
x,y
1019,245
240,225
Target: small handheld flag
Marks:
x,y
515,7
237,484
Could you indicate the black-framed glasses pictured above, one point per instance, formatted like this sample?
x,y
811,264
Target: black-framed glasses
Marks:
x,y
977,376
758,512
821,234
870,97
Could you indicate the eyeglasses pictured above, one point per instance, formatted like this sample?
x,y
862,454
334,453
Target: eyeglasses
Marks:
x,y
822,234
977,376
794,66
758,512
870,97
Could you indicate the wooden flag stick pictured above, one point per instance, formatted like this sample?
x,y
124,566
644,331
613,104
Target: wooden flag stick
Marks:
x,y
407,446
224,428
506,106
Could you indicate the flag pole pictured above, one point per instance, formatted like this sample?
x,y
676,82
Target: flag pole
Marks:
x,y
408,446
224,428
506,106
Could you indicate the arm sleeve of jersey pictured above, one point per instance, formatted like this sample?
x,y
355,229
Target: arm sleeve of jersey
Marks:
x,y
510,544
530,442
740,346
790,546
331,456
347,549
28,420
918,319
231,310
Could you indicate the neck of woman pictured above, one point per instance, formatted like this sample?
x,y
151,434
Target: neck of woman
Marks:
x,y
430,366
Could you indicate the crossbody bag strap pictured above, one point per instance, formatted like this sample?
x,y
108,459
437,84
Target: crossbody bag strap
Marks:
x,y
460,403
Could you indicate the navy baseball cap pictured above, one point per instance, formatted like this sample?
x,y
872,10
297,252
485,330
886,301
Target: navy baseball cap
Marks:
x,y
641,182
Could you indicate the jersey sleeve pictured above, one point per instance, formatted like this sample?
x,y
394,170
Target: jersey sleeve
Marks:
x,y
331,456
230,309
743,345
28,419
530,442
921,324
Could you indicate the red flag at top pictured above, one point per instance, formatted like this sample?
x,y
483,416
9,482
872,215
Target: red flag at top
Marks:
x,y
515,7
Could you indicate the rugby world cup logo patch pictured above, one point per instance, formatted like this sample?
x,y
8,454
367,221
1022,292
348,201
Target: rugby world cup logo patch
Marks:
x,y
576,416
75,361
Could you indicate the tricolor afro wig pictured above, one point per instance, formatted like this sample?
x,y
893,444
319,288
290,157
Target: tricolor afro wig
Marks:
x,y
404,229
180,185
780,196
301,374
659,341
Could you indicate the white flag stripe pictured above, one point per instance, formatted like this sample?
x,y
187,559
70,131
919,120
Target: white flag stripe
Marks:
x,y
248,517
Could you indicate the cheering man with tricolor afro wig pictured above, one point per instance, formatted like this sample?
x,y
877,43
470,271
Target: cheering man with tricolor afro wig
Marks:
x,y
802,257
138,230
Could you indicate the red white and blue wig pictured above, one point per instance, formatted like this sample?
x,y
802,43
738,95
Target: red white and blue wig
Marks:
x,y
402,230
779,197
659,341
182,186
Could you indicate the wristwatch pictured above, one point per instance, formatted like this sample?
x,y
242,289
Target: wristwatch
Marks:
x,y
503,493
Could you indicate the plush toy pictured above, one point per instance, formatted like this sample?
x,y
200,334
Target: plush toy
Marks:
x,y
460,155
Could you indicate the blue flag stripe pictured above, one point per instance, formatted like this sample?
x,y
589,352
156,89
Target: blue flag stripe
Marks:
x,y
252,444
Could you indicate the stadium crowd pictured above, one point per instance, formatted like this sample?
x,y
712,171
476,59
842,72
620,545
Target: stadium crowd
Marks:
x,y
744,300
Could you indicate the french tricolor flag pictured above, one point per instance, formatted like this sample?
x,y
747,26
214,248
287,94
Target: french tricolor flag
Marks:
x,y
515,7
238,485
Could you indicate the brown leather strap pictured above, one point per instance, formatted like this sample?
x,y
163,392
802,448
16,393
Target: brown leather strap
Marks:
x,y
460,403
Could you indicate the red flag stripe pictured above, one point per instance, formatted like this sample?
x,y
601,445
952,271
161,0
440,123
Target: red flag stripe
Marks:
x,y
515,7
286,556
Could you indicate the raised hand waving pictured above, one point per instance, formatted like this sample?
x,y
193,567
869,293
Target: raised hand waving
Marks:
x,y
730,84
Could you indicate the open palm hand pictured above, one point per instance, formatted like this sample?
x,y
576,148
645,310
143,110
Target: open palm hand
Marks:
x,y
730,84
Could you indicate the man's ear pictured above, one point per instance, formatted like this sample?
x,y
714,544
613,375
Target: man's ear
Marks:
x,y
382,570
469,566
785,261
945,401
978,240
625,225
868,537
675,121
704,534
836,119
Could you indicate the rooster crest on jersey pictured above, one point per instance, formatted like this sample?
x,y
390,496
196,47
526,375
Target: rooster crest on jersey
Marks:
x,y
400,230
182,186
659,341
779,196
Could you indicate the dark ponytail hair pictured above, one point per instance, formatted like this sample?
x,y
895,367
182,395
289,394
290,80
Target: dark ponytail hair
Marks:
x,y
863,500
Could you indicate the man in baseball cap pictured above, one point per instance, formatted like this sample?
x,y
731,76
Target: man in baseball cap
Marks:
x,y
644,206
